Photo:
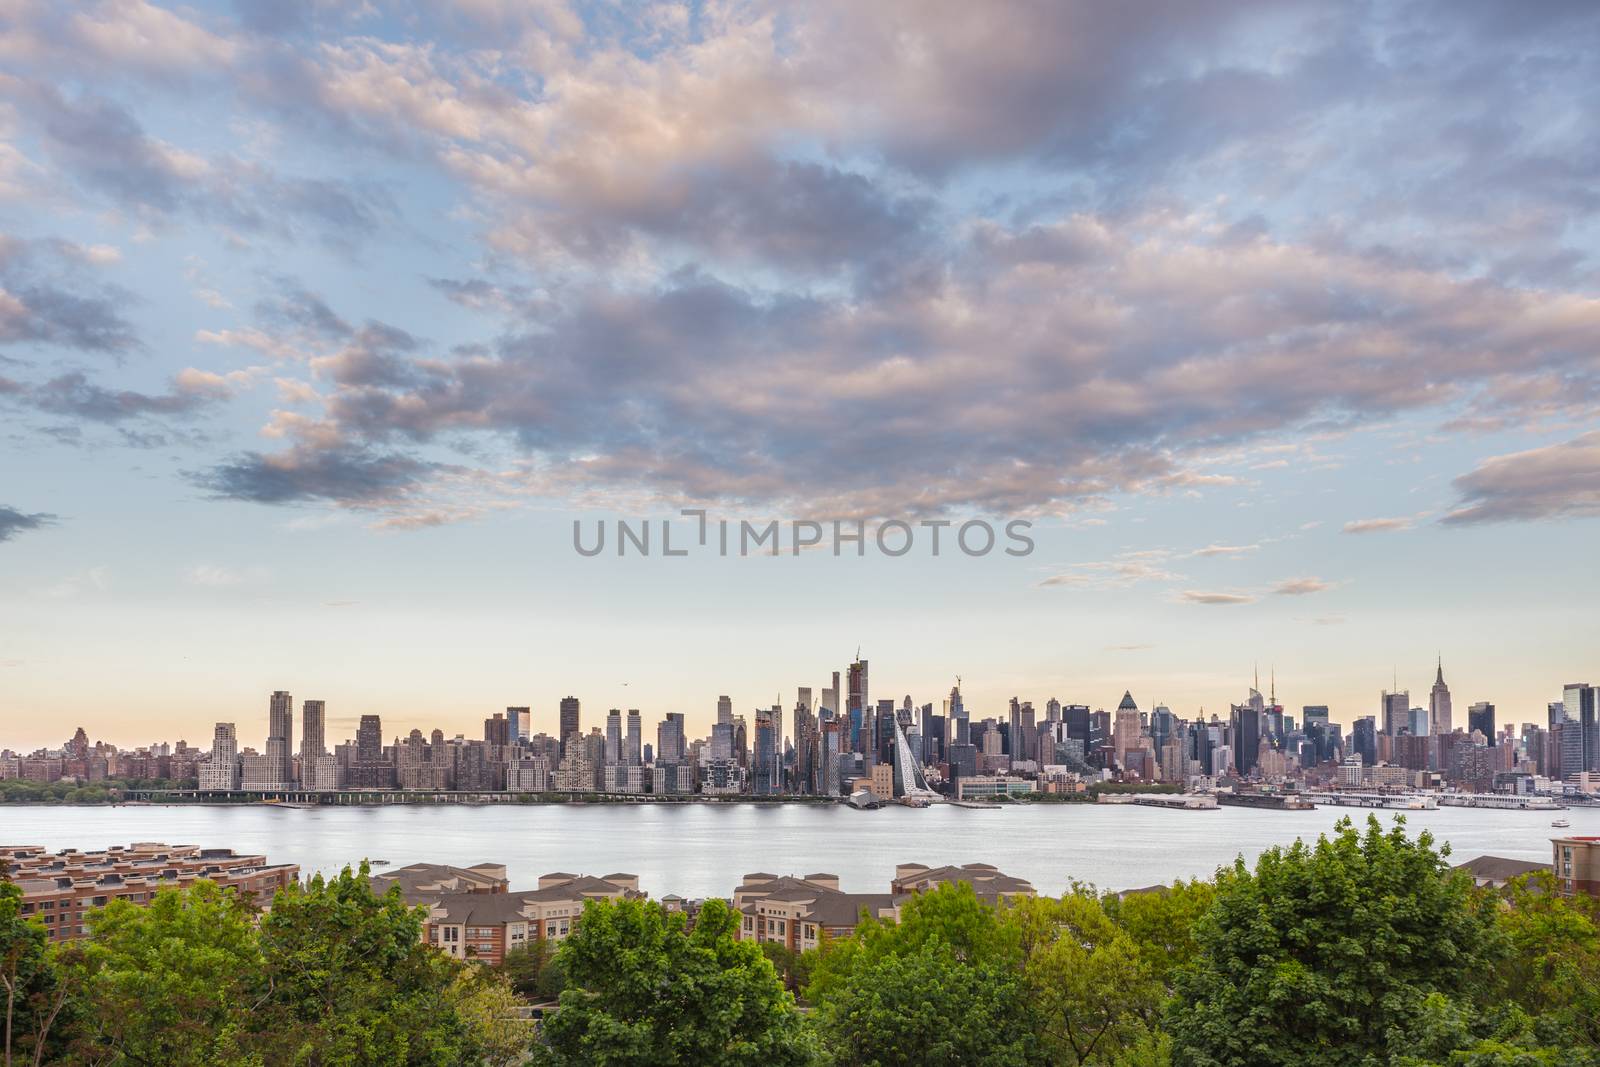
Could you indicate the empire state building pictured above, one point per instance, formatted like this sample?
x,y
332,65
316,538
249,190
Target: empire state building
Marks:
x,y
1439,705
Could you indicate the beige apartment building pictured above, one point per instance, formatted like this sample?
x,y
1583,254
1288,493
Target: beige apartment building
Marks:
x,y
474,914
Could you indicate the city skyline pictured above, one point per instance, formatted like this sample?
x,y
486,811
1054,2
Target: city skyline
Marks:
x,y
321,326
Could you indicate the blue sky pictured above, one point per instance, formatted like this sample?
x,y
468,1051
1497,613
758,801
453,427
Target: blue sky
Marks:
x,y
320,324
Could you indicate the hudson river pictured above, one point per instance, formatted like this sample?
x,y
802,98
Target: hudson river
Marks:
x,y
701,850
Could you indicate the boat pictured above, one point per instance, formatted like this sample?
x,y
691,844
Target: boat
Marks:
x,y
1561,822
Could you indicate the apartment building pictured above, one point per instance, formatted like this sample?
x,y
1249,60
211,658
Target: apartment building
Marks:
x,y
59,888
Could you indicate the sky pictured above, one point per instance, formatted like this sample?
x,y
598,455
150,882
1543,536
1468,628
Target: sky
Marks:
x,y
321,324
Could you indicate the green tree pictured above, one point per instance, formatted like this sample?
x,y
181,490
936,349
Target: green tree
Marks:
x,y
349,982
36,993
532,970
1161,923
168,983
942,987
1329,954
1092,996
491,1011
643,989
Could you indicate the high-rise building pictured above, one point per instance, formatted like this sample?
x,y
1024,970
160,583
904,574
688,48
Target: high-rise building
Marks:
x,y
1126,732
520,719
1245,733
725,709
370,768
631,754
613,752
1439,717
1364,739
670,738
221,771
1480,717
569,721
1396,710
280,738
856,705
497,731
767,760
1579,700
313,729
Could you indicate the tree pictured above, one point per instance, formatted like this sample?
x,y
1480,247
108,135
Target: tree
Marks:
x,y
36,994
1161,923
349,981
491,1010
1092,995
643,989
941,987
166,982
532,971
1330,954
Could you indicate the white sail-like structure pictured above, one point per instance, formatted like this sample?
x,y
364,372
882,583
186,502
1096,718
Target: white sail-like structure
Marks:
x,y
908,779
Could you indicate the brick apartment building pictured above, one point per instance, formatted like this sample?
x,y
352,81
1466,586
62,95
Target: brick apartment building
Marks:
x,y
60,887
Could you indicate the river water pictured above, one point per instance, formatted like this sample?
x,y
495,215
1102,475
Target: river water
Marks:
x,y
699,850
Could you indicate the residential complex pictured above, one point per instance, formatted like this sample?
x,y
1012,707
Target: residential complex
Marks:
x,y
59,888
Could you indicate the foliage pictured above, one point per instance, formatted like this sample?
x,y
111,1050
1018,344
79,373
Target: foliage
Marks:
x,y
644,989
21,791
944,986
169,982
1332,954
532,970
1161,923
34,995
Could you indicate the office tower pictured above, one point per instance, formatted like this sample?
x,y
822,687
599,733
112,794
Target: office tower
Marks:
x,y
959,730
1126,733
1417,722
828,757
1162,725
1439,718
1364,739
1396,709
856,705
1579,701
569,721
830,697
280,739
519,719
1480,717
725,709
722,742
613,749
1245,735
670,738
631,753
1052,710
768,757
313,727
221,771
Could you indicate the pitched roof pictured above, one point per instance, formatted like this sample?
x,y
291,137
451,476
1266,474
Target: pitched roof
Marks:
x,y
1127,702
1499,869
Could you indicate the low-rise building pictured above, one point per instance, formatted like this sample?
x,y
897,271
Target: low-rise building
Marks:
x,y
983,787
1577,864
473,914
59,888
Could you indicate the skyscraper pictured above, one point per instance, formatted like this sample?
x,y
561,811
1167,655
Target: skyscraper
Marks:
x,y
519,723
280,739
725,709
670,738
613,736
1246,734
1480,717
1396,709
856,704
569,721
1579,700
632,742
1439,718
767,760
1364,739
313,727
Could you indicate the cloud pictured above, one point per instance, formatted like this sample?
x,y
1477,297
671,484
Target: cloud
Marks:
x,y
1301,586
74,395
214,576
1560,481
346,475
1126,569
47,297
13,522
1225,550
1362,526
1193,596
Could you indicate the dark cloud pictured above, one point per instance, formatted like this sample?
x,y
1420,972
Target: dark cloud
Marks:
x,y
1560,481
106,149
74,395
48,297
13,522
346,475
